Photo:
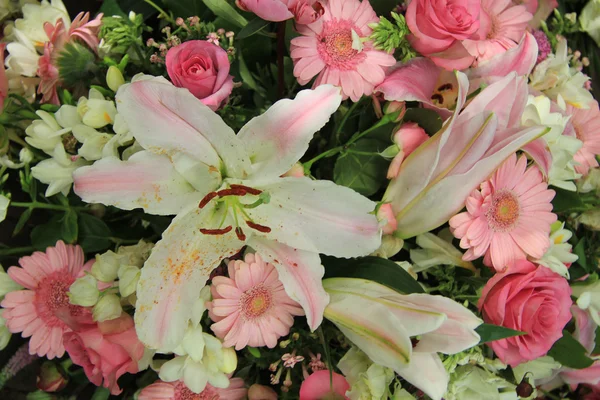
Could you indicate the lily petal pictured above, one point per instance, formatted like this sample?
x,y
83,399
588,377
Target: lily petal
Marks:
x,y
318,216
168,120
146,181
427,372
278,138
177,269
520,59
400,84
300,272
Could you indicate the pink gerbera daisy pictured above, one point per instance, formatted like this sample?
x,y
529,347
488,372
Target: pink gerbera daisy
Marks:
x,y
502,25
332,48
41,310
177,390
586,124
508,218
251,307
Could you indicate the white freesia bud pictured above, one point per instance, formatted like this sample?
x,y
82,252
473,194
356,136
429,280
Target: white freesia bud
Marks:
x,y
588,298
367,380
4,202
4,334
25,155
390,246
136,254
7,285
132,16
107,308
84,291
128,279
106,267
436,250
114,78
590,20
539,369
229,360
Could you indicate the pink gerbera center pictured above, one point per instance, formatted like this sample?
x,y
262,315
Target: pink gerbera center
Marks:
x,y
255,302
183,393
504,211
51,296
335,45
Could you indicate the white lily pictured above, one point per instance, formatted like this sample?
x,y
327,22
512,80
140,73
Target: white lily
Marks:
x,y
560,252
227,192
437,250
386,322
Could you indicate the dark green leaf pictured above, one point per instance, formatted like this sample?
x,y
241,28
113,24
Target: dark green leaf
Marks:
x,y
427,119
570,353
111,7
254,351
565,201
69,227
254,26
579,250
47,234
384,7
376,269
597,343
223,9
365,173
490,333
101,393
184,8
94,234
22,221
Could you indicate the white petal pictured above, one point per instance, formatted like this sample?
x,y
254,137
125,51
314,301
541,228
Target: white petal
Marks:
x,y
427,373
172,370
300,272
318,216
146,181
278,138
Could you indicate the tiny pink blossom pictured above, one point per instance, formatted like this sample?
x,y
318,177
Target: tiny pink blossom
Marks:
x,y
42,310
290,360
177,390
332,49
508,218
251,307
586,124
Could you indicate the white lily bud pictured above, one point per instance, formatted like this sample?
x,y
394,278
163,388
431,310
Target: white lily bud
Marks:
x,y
84,291
106,267
107,308
114,78
128,279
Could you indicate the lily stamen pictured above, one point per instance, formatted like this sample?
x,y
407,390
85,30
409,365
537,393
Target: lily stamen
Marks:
x,y
258,227
216,231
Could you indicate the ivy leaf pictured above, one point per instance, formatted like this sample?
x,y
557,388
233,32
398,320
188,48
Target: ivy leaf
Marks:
x,y
223,9
490,333
361,168
376,269
94,234
570,353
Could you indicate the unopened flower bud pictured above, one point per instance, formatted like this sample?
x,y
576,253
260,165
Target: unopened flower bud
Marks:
x,y
107,308
132,16
261,392
297,171
114,78
52,377
390,246
179,21
524,389
25,155
395,107
385,214
229,360
128,279
84,291
106,267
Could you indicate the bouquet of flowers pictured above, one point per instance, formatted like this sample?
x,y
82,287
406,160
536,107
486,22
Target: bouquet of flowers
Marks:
x,y
299,199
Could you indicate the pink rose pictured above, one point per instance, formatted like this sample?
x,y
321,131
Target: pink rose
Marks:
x,y
203,69
317,386
530,299
303,11
439,26
106,350
3,78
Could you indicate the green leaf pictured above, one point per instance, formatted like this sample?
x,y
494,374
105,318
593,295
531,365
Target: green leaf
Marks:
x,y
94,234
363,172
247,77
69,227
111,7
597,342
254,26
565,201
47,234
383,7
223,9
22,221
570,353
254,351
376,269
579,250
184,8
101,393
427,119
490,333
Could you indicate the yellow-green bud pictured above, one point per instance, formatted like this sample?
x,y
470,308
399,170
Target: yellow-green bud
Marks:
x,y
128,279
84,291
107,308
114,78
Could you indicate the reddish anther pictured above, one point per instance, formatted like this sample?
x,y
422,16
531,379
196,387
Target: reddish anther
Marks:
x,y
231,192
260,228
247,189
240,234
216,231
207,199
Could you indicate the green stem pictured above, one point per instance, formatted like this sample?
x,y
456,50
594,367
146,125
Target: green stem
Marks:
x,y
46,206
328,153
327,355
16,250
161,11
345,119
363,153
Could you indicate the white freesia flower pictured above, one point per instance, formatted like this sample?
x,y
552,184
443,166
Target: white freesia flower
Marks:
x,y
210,363
541,369
588,298
555,77
84,291
95,111
437,250
129,276
107,308
559,252
57,173
36,15
136,254
46,134
590,182
7,285
562,148
590,20
94,142
227,193
386,322
471,382
22,85
106,267
122,137
368,381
